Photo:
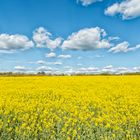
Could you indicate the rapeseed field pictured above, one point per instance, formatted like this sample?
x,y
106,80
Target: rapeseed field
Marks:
x,y
70,108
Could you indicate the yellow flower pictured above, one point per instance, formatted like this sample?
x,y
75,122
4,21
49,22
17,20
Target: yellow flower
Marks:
x,y
76,107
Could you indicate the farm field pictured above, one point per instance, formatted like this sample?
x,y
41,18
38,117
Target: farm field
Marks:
x,y
70,108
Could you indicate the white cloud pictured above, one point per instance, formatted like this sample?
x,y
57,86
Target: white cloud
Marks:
x,y
87,70
136,69
57,63
20,68
14,42
122,70
47,69
108,67
92,69
123,47
64,56
115,38
44,68
128,9
112,10
41,62
51,55
87,39
87,2
134,48
43,38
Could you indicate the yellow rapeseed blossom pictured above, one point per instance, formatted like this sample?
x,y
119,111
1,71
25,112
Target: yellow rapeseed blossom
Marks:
x,y
70,107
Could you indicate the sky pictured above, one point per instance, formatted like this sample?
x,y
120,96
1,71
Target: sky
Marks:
x,y
69,36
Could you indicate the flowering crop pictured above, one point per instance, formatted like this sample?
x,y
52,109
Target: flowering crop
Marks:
x,y
73,108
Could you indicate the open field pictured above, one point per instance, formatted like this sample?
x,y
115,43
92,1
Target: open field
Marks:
x,y
78,108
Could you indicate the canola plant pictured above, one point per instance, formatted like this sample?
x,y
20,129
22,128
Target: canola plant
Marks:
x,y
70,108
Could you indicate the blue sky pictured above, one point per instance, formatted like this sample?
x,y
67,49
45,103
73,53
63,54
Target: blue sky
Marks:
x,y
69,35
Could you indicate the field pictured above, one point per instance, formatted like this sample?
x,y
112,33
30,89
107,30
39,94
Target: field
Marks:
x,y
70,108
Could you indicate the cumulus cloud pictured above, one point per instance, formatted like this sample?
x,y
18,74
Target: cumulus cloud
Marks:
x,y
20,68
88,69
44,68
14,42
129,9
87,2
41,62
82,70
51,55
64,56
115,70
136,69
47,69
123,70
87,39
108,69
123,47
57,63
43,38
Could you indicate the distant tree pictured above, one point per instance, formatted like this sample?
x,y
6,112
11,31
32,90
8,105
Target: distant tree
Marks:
x,y
41,73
